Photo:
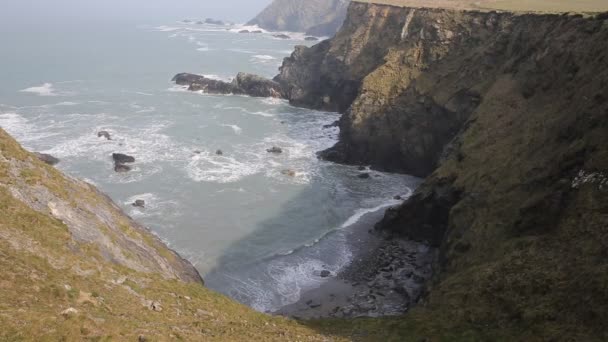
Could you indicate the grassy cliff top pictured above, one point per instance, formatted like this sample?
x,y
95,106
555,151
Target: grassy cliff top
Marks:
x,y
550,6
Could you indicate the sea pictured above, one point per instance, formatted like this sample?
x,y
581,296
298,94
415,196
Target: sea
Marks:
x,y
255,231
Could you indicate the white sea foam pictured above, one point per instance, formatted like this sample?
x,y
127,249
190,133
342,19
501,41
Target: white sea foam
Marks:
x,y
208,167
235,128
264,57
164,28
45,89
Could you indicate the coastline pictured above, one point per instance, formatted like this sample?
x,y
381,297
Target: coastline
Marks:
x,y
386,277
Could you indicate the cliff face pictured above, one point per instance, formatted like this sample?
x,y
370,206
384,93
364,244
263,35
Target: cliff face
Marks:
x,y
75,268
315,17
507,116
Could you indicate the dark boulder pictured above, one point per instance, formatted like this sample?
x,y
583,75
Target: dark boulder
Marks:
x,y
311,39
139,203
219,152
257,31
120,158
104,134
281,36
325,274
47,158
244,31
364,176
120,168
275,149
332,125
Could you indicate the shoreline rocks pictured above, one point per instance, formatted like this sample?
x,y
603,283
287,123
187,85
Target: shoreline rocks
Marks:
x,y
243,84
47,158
275,150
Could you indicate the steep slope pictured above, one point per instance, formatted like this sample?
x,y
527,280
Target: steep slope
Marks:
x,y
506,113
75,268
315,17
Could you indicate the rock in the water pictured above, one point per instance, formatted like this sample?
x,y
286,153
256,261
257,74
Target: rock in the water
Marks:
x,y
290,173
104,134
122,168
398,198
243,84
311,39
257,31
47,158
244,31
219,152
122,158
281,36
325,274
200,22
364,176
139,203
361,168
197,152
331,125
275,149
214,21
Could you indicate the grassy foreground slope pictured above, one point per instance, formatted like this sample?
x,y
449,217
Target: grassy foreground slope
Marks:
x,y
56,287
550,6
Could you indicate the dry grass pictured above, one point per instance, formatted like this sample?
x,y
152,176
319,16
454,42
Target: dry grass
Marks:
x,y
550,6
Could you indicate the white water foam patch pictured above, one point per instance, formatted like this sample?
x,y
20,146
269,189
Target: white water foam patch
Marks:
x,y
153,206
164,28
45,89
209,167
235,128
22,129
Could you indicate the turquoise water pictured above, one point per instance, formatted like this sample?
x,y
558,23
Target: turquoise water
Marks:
x,y
254,233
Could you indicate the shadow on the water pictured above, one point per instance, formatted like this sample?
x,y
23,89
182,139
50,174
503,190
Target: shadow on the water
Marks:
x,y
286,253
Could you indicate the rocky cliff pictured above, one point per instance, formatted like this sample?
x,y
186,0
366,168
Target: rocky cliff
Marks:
x,y
505,114
315,17
75,268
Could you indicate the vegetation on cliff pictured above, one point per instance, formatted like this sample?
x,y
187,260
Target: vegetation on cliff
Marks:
x,y
74,268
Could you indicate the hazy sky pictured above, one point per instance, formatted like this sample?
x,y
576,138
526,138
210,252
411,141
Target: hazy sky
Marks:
x,y
234,10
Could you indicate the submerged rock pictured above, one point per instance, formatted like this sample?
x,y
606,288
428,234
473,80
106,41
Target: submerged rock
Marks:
x,y
244,31
219,152
281,36
311,39
120,158
290,173
104,134
120,168
364,176
214,22
47,158
139,203
325,274
274,149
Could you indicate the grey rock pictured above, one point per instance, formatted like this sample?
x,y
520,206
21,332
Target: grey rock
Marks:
x,y
47,158
274,149
139,203
122,158
104,134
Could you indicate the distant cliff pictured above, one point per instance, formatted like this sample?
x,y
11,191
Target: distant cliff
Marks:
x,y
315,17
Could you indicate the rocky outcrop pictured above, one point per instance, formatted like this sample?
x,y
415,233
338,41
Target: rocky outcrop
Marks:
x,y
92,219
315,17
47,158
243,84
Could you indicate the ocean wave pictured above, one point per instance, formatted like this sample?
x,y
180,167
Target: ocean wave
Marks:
x,y
236,129
164,28
45,89
209,167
